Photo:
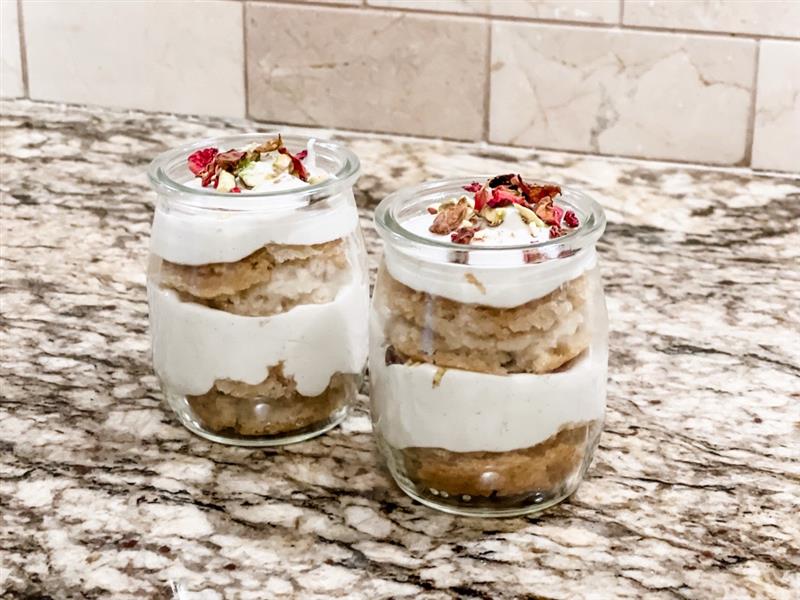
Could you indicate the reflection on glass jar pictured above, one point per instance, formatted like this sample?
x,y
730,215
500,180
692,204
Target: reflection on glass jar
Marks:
x,y
488,359
258,287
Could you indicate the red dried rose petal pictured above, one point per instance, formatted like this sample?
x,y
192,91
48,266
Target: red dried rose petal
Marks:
x,y
503,196
473,187
463,235
302,154
548,212
558,214
200,159
555,231
236,190
571,219
298,170
481,198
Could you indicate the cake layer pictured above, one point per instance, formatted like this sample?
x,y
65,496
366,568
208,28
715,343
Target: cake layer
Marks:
x,y
271,280
541,468
536,337
421,405
271,407
194,345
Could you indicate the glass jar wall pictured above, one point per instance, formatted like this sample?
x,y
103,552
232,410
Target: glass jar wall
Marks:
x,y
257,298
487,362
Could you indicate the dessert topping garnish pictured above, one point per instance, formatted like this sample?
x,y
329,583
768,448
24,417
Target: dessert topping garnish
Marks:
x,y
234,170
534,202
450,216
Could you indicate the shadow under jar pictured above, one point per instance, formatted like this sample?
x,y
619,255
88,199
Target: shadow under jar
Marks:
x,y
257,298
488,362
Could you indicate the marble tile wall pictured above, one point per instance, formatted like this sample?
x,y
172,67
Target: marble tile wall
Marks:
x,y
702,81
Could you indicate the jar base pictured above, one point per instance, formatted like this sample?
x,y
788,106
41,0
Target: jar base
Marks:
x,y
525,504
183,411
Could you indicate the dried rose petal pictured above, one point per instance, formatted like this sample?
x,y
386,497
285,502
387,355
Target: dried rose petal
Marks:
x,y
558,214
548,212
302,154
503,196
555,231
473,187
539,192
571,219
450,218
463,235
229,160
432,210
482,196
236,190
209,173
270,145
500,180
298,170
200,159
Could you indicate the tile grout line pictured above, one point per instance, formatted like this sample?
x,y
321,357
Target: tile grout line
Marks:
x,y
621,12
487,86
747,159
23,50
244,60
536,21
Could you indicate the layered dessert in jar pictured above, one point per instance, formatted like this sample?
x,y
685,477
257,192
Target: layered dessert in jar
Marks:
x,y
488,343
257,287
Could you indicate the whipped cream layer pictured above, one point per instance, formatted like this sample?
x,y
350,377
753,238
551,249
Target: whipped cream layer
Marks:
x,y
500,279
194,345
503,286
470,412
200,237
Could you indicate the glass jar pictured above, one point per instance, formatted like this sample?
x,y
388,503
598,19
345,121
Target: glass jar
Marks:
x,y
487,363
257,300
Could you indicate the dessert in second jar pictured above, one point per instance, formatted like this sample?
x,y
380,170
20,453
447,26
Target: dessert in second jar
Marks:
x,y
485,382
258,315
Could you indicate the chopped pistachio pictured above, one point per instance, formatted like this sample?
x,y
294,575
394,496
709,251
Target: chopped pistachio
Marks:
x,y
437,377
316,179
529,216
494,216
226,182
251,176
282,163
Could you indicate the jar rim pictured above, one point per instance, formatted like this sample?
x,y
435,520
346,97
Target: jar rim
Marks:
x,y
204,198
391,230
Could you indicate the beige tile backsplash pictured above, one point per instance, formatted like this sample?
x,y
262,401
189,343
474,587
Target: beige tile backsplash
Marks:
x,y
11,84
597,11
393,71
776,137
633,93
688,80
179,55
759,17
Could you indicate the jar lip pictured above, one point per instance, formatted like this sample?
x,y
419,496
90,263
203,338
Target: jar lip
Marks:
x,y
591,214
205,198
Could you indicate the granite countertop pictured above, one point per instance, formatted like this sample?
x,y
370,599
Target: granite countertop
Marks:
x,y
692,494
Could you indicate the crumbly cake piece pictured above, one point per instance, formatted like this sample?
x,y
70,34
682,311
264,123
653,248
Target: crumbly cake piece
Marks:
x,y
536,337
262,266
271,407
542,467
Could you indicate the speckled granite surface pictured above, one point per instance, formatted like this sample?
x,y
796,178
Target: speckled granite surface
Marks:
x,y
692,494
